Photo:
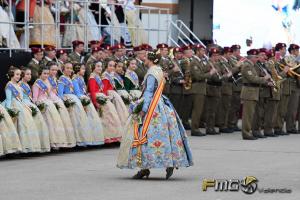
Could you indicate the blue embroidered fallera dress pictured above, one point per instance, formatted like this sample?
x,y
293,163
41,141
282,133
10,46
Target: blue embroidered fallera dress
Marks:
x,y
77,113
38,118
167,144
27,130
93,117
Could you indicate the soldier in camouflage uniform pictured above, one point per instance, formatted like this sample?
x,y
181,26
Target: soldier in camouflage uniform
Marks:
x,y
236,62
166,64
141,70
34,64
285,91
78,49
292,108
250,92
177,81
199,72
213,95
50,55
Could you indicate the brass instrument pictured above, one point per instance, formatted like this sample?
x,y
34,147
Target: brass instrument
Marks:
x,y
222,60
275,76
187,74
291,71
213,67
266,72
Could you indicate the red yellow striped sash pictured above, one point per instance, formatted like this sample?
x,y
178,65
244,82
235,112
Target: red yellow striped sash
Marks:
x,y
139,140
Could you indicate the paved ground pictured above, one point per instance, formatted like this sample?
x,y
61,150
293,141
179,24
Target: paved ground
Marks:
x,y
91,174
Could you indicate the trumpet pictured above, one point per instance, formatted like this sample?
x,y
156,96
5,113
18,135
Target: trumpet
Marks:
x,y
291,71
212,67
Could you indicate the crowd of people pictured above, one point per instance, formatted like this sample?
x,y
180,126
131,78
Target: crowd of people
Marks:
x,y
77,20
62,100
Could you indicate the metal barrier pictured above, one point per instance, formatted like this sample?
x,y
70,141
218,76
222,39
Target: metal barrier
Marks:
x,y
181,34
28,25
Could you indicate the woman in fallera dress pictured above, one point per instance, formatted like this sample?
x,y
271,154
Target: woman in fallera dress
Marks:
x,y
109,89
38,117
9,139
40,93
131,79
160,141
80,90
112,127
26,128
77,113
119,82
63,112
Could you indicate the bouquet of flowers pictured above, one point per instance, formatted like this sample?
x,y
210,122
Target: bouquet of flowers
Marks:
x,y
102,100
135,108
85,101
13,112
69,103
42,106
125,97
1,116
33,111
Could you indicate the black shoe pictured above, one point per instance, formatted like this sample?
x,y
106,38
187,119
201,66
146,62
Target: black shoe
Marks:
x,y
278,132
270,135
226,130
292,131
141,174
258,134
236,129
249,138
197,133
169,171
211,131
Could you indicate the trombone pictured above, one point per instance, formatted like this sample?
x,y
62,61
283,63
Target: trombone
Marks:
x,y
291,71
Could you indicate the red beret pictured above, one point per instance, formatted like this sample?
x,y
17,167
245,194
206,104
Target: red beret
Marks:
x,y
61,52
227,50
235,47
214,51
198,46
162,45
270,53
293,47
138,48
280,45
118,46
96,49
49,48
106,47
147,47
187,47
93,42
263,50
252,52
36,50
77,42
177,49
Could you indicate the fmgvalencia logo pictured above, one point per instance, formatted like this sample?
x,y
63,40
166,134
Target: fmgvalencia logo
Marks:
x,y
248,185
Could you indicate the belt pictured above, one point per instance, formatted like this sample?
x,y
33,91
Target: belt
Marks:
x,y
214,83
251,84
